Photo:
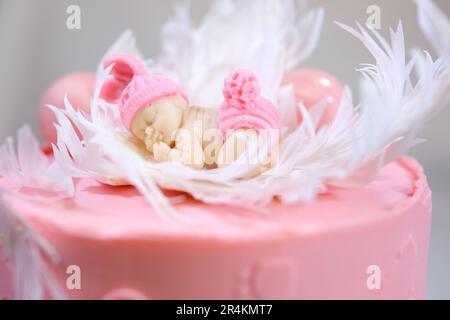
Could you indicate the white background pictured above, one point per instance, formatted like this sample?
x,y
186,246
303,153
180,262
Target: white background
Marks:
x,y
36,48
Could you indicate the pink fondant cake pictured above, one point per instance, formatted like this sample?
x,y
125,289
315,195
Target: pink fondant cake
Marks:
x,y
218,173
324,250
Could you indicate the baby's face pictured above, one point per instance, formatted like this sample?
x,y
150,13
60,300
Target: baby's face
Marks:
x,y
164,116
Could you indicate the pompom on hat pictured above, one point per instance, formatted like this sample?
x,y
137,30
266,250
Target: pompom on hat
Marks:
x,y
244,107
133,88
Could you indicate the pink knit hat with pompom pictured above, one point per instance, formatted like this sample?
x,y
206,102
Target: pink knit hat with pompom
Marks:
x,y
133,88
244,108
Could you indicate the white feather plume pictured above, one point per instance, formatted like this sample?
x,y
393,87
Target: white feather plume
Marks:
x,y
435,25
29,167
268,37
393,107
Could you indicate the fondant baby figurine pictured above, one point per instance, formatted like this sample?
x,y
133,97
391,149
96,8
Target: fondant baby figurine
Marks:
x,y
156,110
245,117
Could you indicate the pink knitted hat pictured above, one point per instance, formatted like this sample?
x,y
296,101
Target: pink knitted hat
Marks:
x,y
133,87
244,108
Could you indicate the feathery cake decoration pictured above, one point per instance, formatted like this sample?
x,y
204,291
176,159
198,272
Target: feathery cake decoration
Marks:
x,y
346,152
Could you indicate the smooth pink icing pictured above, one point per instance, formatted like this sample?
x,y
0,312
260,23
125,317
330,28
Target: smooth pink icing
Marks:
x,y
314,86
79,88
320,250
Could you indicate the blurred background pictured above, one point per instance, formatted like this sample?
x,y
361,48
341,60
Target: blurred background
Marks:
x,y
36,48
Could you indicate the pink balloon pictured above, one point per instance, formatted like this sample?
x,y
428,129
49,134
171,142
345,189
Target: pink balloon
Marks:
x,y
313,86
79,88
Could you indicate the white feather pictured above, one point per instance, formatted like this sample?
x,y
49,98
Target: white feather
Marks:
x,y
435,25
29,167
268,37
393,107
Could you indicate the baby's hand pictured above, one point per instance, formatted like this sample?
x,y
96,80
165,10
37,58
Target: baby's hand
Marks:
x,y
161,152
151,138
188,150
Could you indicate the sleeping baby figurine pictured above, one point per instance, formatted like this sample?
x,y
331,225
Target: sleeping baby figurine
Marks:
x,y
247,119
156,110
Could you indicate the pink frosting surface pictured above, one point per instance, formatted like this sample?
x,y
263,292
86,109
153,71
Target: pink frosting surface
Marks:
x,y
320,250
